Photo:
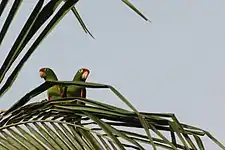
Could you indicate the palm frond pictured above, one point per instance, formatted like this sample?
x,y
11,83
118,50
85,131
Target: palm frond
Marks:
x,y
62,12
2,6
34,22
77,15
52,121
9,18
131,6
104,121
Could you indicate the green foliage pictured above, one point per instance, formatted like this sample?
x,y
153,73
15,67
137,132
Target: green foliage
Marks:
x,y
101,123
52,124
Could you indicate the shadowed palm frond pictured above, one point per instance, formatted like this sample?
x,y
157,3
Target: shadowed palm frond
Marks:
x,y
102,124
53,123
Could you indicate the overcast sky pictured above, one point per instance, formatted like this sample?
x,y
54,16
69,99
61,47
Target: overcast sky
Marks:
x,y
175,64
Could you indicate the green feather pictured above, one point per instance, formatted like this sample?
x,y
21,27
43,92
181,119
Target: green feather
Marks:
x,y
77,91
55,92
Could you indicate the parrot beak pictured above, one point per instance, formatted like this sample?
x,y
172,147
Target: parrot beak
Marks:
x,y
85,74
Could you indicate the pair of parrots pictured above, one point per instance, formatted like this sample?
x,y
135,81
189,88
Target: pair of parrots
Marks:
x,y
57,91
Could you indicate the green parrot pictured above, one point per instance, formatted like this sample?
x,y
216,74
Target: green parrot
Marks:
x,y
77,91
55,91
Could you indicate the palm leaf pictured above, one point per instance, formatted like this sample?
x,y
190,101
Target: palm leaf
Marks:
x,y
9,19
64,109
77,15
94,125
199,142
62,12
32,25
131,6
2,6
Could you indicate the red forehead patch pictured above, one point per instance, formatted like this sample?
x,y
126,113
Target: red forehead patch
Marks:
x,y
42,70
85,69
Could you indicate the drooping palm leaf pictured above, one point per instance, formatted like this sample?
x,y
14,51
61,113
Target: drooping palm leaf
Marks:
x,y
108,119
76,13
97,121
131,6
48,84
32,25
62,12
9,19
2,6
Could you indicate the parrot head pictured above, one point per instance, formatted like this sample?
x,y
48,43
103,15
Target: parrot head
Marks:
x,y
82,74
47,74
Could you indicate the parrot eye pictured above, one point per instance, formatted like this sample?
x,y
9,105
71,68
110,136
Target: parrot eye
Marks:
x,y
81,70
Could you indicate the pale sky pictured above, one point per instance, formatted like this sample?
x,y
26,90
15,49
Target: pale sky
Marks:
x,y
175,64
